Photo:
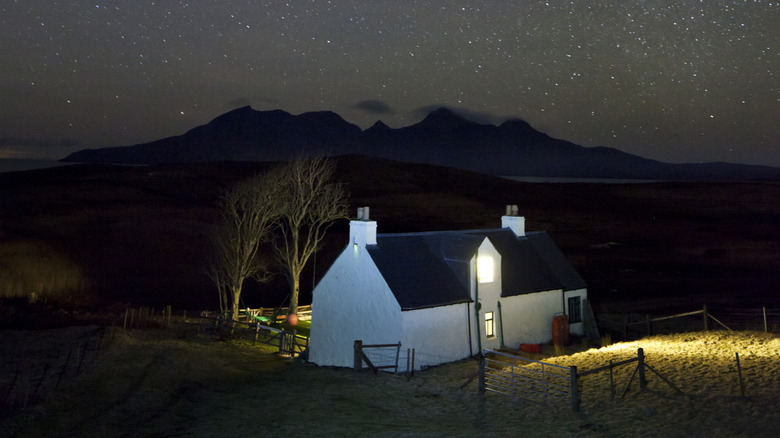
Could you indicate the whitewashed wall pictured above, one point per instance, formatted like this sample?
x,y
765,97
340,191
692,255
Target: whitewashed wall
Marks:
x,y
576,328
528,318
488,295
352,301
438,335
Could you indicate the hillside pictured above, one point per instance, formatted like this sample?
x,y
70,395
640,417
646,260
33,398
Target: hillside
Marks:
x,y
443,138
137,235
178,384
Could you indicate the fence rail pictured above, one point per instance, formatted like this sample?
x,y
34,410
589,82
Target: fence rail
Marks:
x,y
289,343
276,313
630,326
547,383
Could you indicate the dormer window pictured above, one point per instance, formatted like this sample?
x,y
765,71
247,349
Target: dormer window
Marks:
x,y
485,269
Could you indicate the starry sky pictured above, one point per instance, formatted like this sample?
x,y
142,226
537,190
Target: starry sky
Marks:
x,y
682,81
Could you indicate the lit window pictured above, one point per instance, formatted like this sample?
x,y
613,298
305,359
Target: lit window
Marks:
x,y
485,269
489,325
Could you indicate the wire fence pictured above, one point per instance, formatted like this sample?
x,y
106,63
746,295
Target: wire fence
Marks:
x,y
629,326
32,368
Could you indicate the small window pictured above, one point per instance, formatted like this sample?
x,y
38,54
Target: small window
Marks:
x,y
489,325
485,269
575,312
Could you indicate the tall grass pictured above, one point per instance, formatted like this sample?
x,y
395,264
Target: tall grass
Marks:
x,y
34,270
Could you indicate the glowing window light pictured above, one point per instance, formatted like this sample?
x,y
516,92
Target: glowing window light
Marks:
x,y
485,269
489,326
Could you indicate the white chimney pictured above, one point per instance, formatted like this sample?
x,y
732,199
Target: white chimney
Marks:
x,y
362,231
512,221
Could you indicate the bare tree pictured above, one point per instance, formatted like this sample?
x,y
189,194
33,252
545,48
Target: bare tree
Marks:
x,y
310,202
248,213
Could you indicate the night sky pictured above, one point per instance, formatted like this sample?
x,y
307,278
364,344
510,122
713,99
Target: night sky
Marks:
x,y
683,81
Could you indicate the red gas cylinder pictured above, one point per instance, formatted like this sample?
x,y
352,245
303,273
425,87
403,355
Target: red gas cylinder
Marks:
x,y
530,348
560,330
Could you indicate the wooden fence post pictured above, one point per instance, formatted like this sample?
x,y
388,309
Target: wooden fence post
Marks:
x,y
397,356
575,390
357,361
649,326
611,382
625,327
482,375
705,317
765,325
741,382
641,367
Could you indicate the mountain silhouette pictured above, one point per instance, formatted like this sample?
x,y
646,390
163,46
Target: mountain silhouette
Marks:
x,y
445,138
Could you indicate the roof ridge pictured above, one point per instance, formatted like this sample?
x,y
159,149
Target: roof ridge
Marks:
x,y
422,233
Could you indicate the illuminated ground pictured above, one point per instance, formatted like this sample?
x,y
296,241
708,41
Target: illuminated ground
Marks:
x,y
179,384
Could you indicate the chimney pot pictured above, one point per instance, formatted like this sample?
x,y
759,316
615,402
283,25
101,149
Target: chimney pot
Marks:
x,y
513,220
362,231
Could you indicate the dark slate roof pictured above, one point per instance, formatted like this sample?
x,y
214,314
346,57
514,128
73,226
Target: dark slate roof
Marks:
x,y
418,276
432,269
523,270
557,262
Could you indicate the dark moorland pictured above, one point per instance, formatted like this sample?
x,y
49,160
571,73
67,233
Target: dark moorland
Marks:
x,y
102,236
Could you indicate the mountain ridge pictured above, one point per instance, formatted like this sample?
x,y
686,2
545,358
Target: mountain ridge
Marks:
x,y
443,137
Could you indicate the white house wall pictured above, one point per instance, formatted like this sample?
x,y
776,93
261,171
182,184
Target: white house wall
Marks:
x,y
438,335
576,328
528,318
488,295
351,302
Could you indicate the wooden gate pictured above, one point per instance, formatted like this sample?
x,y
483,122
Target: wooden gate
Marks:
x,y
361,357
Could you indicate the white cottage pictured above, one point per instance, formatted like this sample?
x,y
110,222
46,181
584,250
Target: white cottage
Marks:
x,y
445,294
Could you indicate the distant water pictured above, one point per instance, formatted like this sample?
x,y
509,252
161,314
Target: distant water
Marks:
x,y
540,179
20,164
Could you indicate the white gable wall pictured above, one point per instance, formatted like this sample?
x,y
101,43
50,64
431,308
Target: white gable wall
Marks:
x,y
488,295
351,302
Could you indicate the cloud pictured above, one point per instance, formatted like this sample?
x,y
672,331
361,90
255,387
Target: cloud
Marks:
x,y
38,143
374,107
32,148
238,102
243,101
474,116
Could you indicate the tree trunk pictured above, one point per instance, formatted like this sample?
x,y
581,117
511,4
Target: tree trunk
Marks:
x,y
295,287
236,299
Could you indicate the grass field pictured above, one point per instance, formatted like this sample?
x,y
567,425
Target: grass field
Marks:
x,y
177,383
